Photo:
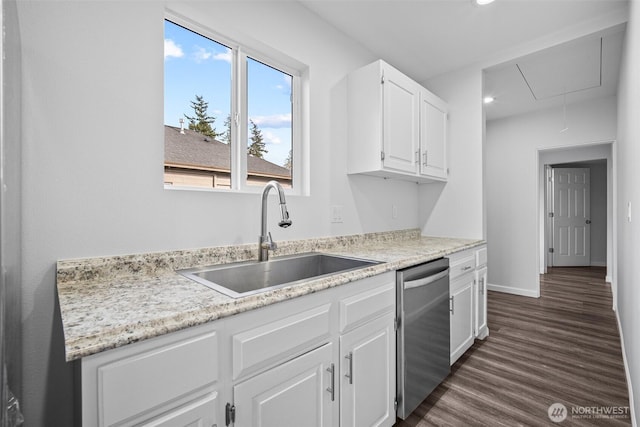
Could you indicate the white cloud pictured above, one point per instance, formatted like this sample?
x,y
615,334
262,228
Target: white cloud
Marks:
x,y
274,121
201,54
271,138
224,56
172,50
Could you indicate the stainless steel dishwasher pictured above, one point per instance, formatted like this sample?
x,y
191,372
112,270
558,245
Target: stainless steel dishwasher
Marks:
x,y
422,342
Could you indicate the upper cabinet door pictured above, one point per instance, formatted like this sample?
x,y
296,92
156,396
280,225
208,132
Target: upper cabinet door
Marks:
x,y
433,136
400,125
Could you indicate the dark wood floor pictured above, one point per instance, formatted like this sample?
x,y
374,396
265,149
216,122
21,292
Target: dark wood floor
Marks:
x,y
562,347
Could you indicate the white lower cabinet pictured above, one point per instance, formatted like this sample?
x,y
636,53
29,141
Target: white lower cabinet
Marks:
x,y
300,392
468,295
280,365
461,320
367,377
166,381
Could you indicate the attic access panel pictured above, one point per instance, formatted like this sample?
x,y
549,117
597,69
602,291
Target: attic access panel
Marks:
x,y
569,68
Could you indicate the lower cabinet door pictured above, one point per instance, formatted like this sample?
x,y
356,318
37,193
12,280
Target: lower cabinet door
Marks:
x,y
461,315
481,303
367,374
200,413
300,392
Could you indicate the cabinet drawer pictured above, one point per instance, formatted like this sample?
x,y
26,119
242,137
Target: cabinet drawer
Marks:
x,y
278,341
137,384
202,412
367,305
462,266
481,256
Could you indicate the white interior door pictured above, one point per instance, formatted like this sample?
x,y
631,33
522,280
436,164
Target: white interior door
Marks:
x,y
571,217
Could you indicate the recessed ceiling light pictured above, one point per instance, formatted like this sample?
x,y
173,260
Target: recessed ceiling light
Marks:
x,y
488,99
483,2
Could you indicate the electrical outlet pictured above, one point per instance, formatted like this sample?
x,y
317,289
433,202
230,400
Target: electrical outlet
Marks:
x,y
394,211
336,214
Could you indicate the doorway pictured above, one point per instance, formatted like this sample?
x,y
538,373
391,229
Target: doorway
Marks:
x,y
599,158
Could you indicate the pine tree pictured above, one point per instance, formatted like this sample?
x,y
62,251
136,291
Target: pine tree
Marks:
x,y
226,135
201,122
257,146
288,161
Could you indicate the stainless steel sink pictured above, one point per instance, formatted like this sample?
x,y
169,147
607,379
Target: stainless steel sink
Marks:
x,y
246,278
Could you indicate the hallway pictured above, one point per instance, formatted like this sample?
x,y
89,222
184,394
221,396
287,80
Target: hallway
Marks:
x,y
563,348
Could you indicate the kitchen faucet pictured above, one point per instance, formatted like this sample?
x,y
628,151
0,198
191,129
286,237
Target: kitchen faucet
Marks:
x,y
266,243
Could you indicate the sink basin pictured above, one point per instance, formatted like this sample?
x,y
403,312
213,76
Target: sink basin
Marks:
x,y
246,278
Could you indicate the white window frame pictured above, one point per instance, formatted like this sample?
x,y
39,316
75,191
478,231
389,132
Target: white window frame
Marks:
x,y
239,114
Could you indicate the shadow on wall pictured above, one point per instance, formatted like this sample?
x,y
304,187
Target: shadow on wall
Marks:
x,y
384,204
57,376
428,197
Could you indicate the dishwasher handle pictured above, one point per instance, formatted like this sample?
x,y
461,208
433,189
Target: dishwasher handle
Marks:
x,y
426,280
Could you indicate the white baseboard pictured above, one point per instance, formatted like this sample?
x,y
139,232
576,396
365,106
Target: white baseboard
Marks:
x,y
632,408
514,291
598,263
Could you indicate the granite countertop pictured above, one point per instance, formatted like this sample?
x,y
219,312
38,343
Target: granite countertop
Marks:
x,y
113,301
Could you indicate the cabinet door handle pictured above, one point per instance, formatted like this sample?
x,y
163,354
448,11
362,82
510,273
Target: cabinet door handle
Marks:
x,y
332,389
350,374
424,158
482,286
417,156
451,304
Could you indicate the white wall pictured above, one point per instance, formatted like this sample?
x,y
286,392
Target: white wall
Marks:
x,y
455,209
628,191
93,155
512,186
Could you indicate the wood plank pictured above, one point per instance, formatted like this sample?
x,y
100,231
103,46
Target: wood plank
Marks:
x,y
563,347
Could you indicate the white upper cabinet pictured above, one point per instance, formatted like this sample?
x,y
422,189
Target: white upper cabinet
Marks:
x,y
433,136
397,128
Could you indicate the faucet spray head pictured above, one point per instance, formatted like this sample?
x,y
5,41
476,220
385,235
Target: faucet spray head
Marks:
x,y
284,221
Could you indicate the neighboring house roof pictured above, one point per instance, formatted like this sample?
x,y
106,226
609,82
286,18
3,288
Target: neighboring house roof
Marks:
x,y
192,150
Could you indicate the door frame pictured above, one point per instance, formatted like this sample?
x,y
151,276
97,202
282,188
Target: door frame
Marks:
x,y
551,207
573,154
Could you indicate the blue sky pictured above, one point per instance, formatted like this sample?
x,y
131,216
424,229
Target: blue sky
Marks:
x,y
195,65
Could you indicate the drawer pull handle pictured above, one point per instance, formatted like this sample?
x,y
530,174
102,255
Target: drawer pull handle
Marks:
x,y
466,268
332,389
350,374
451,305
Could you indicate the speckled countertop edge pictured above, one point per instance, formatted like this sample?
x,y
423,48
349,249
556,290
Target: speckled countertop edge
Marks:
x,y
109,302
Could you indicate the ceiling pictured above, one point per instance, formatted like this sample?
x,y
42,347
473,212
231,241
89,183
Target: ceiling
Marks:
x,y
425,38
583,69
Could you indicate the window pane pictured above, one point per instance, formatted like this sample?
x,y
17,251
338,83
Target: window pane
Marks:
x,y
197,104
269,107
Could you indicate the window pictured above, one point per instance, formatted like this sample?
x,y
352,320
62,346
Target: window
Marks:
x,y
228,113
